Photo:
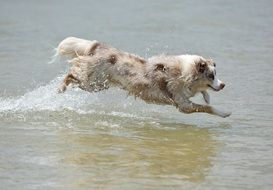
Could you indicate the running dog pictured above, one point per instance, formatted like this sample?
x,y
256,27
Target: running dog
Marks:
x,y
163,79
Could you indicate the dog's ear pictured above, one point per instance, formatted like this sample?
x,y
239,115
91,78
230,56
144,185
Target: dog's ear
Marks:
x,y
211,62
201,66
160,67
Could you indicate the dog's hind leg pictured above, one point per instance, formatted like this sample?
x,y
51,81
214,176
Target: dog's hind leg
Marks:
x,y
69,78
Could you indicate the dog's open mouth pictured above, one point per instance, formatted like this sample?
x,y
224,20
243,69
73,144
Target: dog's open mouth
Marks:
x,y
214,89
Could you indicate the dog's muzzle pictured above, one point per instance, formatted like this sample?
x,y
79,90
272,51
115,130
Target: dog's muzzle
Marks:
x,y
217,85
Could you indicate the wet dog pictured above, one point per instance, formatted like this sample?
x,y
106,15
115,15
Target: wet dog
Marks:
x,y
164,79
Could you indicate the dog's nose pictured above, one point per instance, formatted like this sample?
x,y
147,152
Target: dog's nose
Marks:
x,y
222,85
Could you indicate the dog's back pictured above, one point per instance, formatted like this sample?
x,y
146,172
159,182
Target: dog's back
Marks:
x,y
97,66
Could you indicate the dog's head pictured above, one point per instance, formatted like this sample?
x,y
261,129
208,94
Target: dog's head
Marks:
x,y
206,74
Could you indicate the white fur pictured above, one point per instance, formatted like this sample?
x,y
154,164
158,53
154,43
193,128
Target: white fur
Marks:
x,y
72,45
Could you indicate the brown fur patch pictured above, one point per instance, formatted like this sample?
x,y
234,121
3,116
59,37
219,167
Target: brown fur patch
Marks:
x,y
112,59
201,66
93,48
70,78
160,66
67,80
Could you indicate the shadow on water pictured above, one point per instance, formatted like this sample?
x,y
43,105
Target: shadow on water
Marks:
x,y
166,155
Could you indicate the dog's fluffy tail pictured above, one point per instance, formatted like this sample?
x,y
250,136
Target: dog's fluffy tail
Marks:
x,y
72,47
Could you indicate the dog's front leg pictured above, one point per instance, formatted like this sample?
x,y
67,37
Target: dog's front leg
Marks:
x,y
206,96
190,107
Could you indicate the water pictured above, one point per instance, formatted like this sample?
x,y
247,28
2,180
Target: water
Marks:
x,y
107,140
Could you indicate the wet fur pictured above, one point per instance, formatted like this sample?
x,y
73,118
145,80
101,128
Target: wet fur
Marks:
x,y
167,80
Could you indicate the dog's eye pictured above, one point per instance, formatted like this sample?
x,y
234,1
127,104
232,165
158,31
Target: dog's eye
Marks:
x,y
211,76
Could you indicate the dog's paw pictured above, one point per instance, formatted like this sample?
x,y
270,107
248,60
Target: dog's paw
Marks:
x,y
221,113
225,114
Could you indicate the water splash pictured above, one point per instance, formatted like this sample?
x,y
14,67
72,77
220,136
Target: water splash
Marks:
x,y
47,98
45,104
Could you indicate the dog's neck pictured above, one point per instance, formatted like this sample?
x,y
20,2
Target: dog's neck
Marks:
x,y
192,85
195,88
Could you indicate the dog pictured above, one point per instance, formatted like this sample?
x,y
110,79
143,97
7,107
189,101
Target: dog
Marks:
x,y
163,79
